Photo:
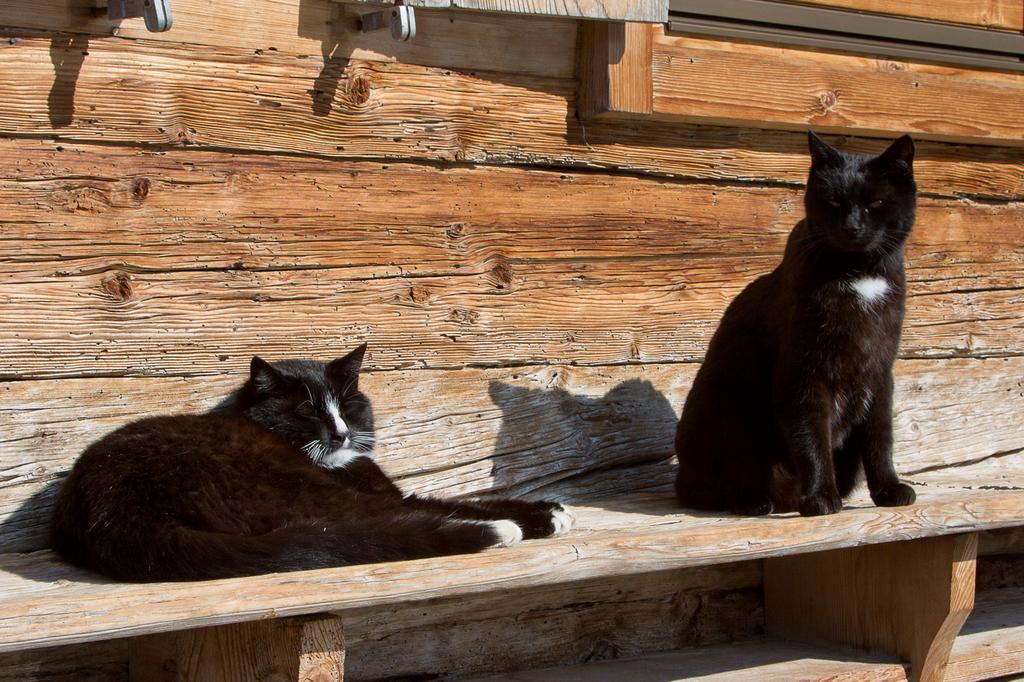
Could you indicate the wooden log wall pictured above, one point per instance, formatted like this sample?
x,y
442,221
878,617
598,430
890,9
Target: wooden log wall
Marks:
x,y
537,291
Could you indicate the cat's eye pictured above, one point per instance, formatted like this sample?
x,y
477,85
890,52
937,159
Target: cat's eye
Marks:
x,y
833,203
306,410
875,204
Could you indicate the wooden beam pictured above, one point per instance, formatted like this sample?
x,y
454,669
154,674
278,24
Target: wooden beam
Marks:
x,y
44,603
308,649
991,644
261,101
604,10
717,82
907,598
615,69
327,33
1005,15
751,660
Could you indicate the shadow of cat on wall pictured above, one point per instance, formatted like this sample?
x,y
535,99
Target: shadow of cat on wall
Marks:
x,y
576,448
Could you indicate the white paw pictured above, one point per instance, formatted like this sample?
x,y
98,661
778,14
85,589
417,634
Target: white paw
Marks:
x,y
508,532
563,520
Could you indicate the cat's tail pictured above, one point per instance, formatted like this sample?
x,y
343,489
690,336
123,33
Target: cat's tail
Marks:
x,y
176,553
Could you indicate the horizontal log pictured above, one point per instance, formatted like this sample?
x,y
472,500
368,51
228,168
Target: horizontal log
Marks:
x,y
1007,15
47,604
572,433
315,29
750,660
151,93
717,82
106,661
192,323
588,620
195,259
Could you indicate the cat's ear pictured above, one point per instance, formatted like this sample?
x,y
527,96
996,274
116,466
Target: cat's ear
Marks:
x,y
264,376
345,371
900,151
822,154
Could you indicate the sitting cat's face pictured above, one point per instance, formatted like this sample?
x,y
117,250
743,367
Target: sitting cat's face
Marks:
x,y
315,406
861,203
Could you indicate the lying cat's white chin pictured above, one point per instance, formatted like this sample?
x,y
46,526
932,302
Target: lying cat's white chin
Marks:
x,y
341,458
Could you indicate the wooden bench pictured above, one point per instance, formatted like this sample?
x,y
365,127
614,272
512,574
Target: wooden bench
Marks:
x,y
898,583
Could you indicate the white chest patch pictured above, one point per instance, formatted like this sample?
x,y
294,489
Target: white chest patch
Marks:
x,y
869,289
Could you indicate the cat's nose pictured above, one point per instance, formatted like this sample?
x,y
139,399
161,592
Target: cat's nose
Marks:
x,y
338,442
853,226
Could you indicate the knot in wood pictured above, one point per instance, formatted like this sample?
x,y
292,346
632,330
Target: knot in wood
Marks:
x,y
418,294
140,188
828,101
359,90
502,274
118,286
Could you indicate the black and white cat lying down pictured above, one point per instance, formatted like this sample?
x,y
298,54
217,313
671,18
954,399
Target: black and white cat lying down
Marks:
x,y
279,478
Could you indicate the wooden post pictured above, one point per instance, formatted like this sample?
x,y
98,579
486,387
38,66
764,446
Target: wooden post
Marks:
x,y
615,69
904,598
279,650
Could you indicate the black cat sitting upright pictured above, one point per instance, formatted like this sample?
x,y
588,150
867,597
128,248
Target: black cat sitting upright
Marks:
x,y
794,397
278,478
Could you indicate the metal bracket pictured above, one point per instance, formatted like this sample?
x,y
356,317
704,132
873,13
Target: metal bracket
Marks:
x,y
400,18
156,12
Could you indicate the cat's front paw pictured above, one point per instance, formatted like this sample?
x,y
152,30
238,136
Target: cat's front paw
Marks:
x,y
895,495
820,505
506,532
547,519
562,520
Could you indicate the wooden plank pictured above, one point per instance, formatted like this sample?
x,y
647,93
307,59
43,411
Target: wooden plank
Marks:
x,y
47,605
498,631
615,69
718,82
568,624
754,660
467,271
262,102
65,205
576,433
324,34
906,598
654,11
101,661
991,643
1006,15
289,650
1008,541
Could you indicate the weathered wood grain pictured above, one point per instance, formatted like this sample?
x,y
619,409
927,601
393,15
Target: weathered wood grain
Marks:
x,y
46,604
115,322
310,649
613,10
715,82
753,660
224,98
97,661
906,599
615,69
570,432
991,643
997,14
193,257
566,624
315,29
69,209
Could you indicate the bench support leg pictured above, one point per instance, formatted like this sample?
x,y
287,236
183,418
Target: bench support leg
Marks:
x,y
908,599
308,649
